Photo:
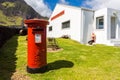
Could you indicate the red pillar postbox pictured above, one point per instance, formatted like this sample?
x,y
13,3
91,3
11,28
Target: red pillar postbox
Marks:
x,y
36,45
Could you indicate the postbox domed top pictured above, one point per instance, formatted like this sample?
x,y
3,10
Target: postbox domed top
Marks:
x,y
36,21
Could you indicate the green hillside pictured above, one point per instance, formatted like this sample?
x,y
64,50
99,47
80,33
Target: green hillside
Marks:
x,y
9,21
8,4
7,16
12,12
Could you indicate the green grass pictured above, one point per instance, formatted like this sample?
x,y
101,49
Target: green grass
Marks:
x,y
74,62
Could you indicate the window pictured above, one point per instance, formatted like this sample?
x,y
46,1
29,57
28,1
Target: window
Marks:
x,y
99,23
66,24
50,28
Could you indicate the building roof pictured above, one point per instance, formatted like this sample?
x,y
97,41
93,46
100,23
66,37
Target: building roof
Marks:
x,y
83,8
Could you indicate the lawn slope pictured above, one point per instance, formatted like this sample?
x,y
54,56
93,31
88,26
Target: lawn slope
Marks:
x,y
74,62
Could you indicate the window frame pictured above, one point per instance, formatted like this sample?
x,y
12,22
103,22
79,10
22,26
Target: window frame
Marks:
x,y
99,23
66,24
50,28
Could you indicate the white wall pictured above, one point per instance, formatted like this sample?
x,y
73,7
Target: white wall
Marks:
x,y
101,34
115,13
87,24
71,13
83,23
104,36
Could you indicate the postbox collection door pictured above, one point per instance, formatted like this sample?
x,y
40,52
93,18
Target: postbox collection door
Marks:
x,y
40,42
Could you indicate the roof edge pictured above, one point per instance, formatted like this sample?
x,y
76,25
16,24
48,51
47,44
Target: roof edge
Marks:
x,y
82,8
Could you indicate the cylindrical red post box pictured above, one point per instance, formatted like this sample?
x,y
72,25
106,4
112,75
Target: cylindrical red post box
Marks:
x,y
36,61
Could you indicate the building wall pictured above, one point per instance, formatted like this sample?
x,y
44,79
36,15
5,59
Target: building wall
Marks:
x,y
115,13
101,34
71,13
83,23
87,24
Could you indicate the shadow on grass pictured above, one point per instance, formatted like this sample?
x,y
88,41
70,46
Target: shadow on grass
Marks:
x,y
8,58
59,64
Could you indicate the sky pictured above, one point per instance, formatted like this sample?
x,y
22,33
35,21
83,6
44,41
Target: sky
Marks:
x,y
46,7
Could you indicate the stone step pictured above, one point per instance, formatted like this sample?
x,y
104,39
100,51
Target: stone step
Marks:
x,y
116,42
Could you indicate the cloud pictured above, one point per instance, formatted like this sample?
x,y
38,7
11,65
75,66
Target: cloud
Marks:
x,y
63,2
40,7
97,4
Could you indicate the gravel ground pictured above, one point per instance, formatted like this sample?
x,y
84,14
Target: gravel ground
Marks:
x,y
19,76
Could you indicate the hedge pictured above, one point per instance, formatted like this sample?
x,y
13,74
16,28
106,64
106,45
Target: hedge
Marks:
x,y
6,33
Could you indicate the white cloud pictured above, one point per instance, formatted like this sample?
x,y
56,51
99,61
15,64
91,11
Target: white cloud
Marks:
x,y
40,7
63,2
97,4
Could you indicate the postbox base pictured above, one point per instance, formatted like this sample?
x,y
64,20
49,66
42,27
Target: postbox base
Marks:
x,y
37,70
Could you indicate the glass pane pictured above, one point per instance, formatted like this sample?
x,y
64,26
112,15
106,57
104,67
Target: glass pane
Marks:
x,y
66,24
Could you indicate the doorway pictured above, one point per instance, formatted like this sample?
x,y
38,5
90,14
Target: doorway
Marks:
x,y
113,27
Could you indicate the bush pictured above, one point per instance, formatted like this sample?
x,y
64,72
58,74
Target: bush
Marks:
x,y
23,31
66,37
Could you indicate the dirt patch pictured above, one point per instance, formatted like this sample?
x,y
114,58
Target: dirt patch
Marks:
x,y
54,50
1,22
19,76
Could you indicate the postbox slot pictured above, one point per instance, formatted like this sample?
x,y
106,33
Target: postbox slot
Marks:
x,y
38,29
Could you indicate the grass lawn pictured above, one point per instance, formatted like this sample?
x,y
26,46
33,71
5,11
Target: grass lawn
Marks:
x,y
74,62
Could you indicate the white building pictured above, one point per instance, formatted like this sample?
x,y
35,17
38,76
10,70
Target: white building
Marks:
x,y
79,23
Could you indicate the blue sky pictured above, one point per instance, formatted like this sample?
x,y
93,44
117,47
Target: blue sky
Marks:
x,y
51,3
46,7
